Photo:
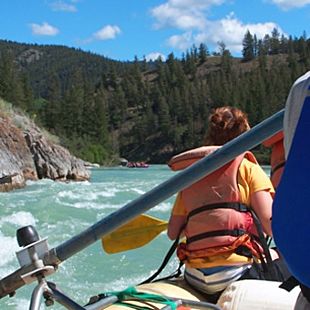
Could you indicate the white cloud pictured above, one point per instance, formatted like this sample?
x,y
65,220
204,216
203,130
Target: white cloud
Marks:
x,y
44,30
191,18
183,14
290,4
154,56
182,41
229,30
168,16
63,6
107,32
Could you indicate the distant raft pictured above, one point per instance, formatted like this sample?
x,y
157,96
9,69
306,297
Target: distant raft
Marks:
x,y
138,164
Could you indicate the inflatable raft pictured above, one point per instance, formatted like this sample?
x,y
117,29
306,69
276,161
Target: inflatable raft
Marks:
x,y
241,295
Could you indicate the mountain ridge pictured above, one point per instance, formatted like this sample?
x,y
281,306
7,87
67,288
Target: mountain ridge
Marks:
x,y
103,109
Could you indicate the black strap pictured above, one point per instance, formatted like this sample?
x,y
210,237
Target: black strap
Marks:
x,y
292,282
164,263
263,242
305,291
278,166
224,205
167,258
216,233
289,283
174,275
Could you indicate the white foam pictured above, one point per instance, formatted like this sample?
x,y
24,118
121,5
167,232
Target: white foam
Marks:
x,y
7,250
108,193
21,218
163,207
88,205
137,190
9,244
87,195
19,303
68,194
16,204
39,182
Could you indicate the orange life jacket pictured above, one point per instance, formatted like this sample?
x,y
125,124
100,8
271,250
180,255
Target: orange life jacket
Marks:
x,y
277,159
216,219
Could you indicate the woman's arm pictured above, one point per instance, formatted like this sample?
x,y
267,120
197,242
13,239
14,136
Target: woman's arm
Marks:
x,y
261,203
177,218
176,223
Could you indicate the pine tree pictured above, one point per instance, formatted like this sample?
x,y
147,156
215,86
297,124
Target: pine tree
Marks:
x,y
73,105
11,87
275,42
225,58
203,53
52,112
27,99
248,51
189,64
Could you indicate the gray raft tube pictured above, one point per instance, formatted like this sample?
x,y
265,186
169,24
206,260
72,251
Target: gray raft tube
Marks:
x,y
181,180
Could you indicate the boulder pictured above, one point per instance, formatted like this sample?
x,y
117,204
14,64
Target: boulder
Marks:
x,y
53,161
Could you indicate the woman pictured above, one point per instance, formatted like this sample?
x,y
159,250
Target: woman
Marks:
x,y
222,214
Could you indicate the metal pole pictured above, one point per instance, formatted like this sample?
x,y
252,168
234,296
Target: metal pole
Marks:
x,y
36,296
63,299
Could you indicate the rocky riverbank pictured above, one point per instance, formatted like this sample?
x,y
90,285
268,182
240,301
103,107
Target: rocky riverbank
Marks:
x,y
27,154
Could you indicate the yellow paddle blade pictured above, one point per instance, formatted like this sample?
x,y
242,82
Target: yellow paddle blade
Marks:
x,y
138,232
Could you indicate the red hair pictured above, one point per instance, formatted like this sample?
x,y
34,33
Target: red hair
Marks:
x,y
225,124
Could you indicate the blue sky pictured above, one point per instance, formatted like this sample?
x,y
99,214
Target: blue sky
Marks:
x,y
123,29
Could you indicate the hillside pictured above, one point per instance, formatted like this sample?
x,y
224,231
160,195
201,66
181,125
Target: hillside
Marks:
x,y
39,61
103,109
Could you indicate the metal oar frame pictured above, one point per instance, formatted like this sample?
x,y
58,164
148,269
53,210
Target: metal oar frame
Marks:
x,y
31,256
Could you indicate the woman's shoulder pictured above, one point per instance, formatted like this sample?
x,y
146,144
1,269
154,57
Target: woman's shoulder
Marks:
x,y
255,175
249,164
252,169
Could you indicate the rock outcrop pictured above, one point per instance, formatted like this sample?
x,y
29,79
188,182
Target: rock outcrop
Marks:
x,y
26,154
54,162
16,163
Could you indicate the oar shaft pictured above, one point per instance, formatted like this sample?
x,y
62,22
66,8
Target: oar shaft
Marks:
x,y
168,188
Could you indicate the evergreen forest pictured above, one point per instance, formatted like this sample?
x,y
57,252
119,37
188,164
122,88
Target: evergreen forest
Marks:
x,y
102,109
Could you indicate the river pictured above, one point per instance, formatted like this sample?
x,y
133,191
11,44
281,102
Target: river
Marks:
x,y
61,210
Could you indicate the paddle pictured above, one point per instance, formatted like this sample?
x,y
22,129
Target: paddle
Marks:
x,y
138,232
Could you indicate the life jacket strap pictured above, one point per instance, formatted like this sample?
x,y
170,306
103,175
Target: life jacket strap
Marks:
x,y
278,166
292,282
305,291
289,283
217,233
223,205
